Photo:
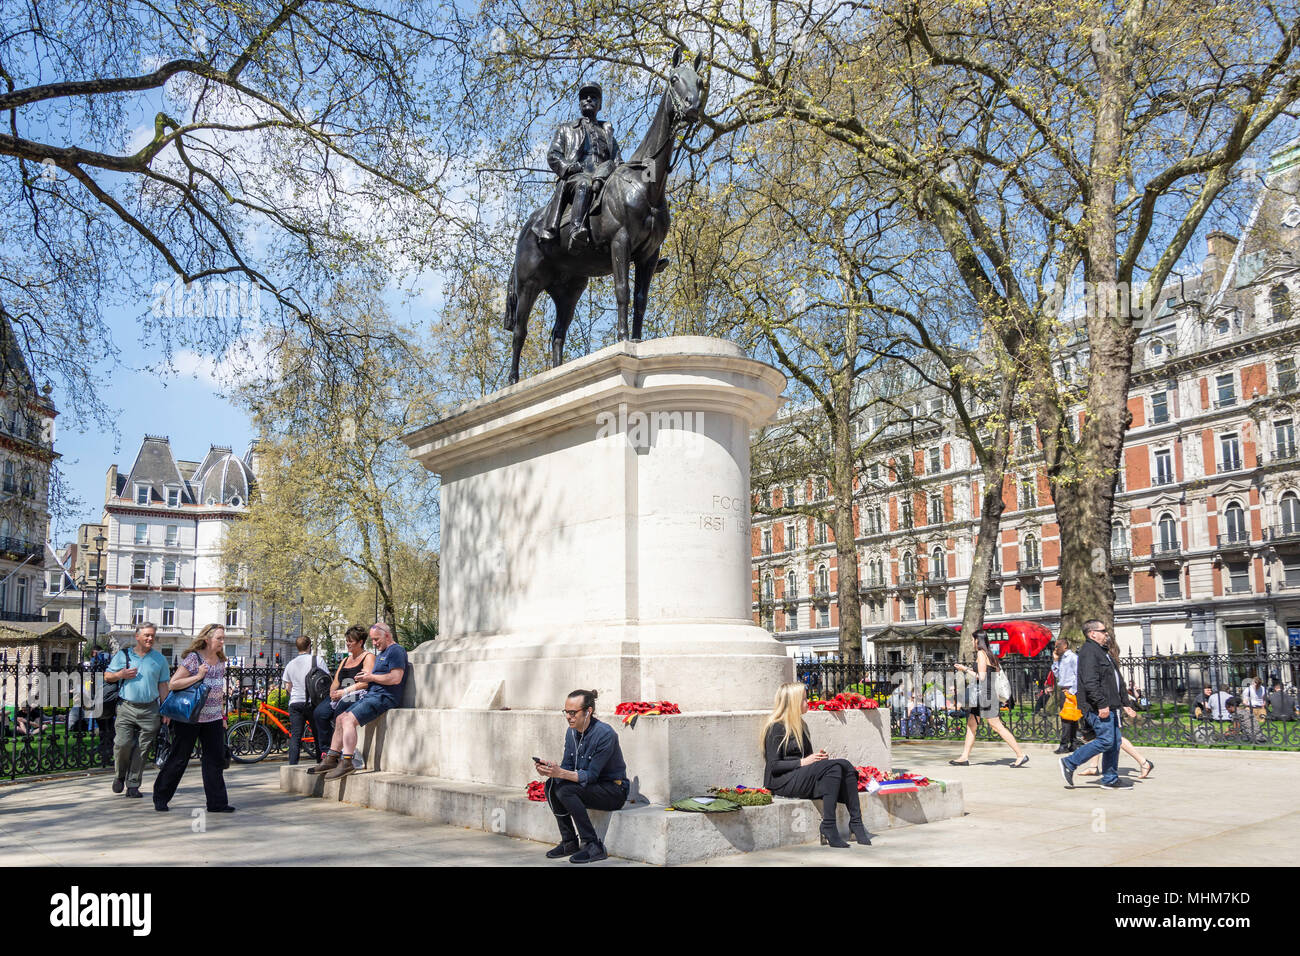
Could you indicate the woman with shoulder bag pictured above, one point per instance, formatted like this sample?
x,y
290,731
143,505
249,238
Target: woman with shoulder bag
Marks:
x,y
987,670
204,661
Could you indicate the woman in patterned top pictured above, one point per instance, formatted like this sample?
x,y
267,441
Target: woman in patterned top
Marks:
x,y
205,660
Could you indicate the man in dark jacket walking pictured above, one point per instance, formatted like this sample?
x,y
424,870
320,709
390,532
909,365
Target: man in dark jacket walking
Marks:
x,y
1101,695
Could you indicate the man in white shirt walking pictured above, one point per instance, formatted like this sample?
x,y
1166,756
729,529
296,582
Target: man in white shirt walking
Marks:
x,y
295,678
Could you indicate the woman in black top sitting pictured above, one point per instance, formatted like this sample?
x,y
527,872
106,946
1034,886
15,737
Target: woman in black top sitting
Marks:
x,y
344,691
794,769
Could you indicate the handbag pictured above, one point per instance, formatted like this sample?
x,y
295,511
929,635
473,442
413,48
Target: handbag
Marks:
x,y
1002,685
1070,710
184,705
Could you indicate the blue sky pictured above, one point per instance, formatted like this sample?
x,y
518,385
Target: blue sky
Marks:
x,y
183,404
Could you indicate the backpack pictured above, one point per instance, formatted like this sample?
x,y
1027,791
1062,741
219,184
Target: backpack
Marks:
x,y
318,684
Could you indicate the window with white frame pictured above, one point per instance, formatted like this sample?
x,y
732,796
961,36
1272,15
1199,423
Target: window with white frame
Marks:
x,y
1238,576
1234,519
138,571
1120,584
934,461
169,614
1279,302
1118,539
787,497
1171,585
141,533
1289,508
1286,377
137,612
1164,467
905,512
823,580
789,536
1027,439
173,535
824,616
1033,596
1159,408
769,588
936,509
232,614
792,619
1225,390
1028,494
169,572
173,497
142,494
1033,557
1284,439
1229,452
791,586
909,607
938,565
1168,537
767,540
823,532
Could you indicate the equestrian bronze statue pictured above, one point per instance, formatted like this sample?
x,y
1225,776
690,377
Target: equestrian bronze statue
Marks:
x,y
616,214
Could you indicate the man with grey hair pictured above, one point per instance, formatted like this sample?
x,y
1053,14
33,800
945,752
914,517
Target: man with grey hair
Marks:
x,y
1101,694
386,681
142,678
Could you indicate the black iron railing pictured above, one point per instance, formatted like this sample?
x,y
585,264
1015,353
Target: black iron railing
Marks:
x,y
932,699
71,736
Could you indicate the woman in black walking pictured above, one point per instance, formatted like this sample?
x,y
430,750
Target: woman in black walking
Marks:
x,y
205,660
794,769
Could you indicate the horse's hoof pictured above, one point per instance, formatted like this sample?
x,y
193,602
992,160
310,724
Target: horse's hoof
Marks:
x,y
512,380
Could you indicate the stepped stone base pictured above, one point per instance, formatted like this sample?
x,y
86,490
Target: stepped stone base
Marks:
x,y
643,832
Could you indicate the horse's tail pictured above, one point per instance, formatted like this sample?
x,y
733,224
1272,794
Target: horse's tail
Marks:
x,y
512,302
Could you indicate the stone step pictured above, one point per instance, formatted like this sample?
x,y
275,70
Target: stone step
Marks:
x,y
644,832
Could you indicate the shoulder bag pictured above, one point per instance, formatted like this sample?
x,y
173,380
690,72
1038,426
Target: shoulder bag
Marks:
x,y
185,705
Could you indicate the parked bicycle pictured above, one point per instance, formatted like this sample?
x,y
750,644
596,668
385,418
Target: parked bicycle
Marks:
x,y
251,740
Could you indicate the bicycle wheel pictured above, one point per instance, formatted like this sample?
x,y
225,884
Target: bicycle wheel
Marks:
x,y
249,741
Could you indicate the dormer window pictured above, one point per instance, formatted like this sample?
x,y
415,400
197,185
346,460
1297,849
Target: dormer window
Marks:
x,y
142,494
173,497
1156,348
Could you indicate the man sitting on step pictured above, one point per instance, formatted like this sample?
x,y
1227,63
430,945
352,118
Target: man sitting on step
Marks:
x,y
591,775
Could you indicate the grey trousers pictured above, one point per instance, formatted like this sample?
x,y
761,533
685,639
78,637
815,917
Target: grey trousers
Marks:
x,y
137,726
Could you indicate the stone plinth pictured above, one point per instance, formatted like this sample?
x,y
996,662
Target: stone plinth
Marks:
x,y
667,757
595,533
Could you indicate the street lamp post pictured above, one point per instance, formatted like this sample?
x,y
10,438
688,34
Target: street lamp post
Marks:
x,y
100,540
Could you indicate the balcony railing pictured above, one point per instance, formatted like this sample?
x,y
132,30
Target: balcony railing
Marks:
x,y
1284,533
1166,550
1120,555
906,578
1161,479
1029,566
1232,463
1237,538
11,546
821,595
1225,401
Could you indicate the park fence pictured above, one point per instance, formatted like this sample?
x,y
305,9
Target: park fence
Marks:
x,y
71,736
931,700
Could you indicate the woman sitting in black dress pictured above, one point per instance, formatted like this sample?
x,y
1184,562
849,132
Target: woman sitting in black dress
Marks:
x,y
794,769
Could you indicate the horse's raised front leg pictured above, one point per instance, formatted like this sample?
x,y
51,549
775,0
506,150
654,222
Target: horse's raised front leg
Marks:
x,y
645,271
527,295
619,259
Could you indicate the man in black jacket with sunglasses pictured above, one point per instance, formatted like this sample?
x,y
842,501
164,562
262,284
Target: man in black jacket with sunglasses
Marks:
x,y
1101,695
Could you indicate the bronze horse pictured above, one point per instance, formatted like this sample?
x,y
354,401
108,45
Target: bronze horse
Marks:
x,y
628,222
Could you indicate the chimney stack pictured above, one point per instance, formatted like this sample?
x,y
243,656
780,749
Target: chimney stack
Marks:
x,y
1221,247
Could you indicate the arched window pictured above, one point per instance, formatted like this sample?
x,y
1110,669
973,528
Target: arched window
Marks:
x,y
823,579
938,566
1290,513
1168,533
1156,348
137,570
1118,537
768,586
1032,556
791,589
1235,519
908,567
1279,303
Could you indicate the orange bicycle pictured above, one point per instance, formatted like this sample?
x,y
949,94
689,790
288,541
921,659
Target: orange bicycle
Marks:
x,y
251,740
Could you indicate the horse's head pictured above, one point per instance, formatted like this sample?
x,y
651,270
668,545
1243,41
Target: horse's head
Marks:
x,y
685,89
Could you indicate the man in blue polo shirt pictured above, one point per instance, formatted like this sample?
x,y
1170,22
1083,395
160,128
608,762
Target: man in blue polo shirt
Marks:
x,y
384,685
142,675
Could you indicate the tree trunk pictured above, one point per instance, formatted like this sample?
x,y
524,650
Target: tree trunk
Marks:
x,y
993,466
846,596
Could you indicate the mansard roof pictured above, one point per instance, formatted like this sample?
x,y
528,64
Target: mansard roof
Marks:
x,y
156,467
226,480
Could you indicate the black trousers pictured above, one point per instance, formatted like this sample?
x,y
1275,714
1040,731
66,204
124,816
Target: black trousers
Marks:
x,y
107,734
213,736
1069,733
299,714
322,724
570,801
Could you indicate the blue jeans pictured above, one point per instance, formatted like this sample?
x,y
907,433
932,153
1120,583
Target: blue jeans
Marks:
x,y
1106,743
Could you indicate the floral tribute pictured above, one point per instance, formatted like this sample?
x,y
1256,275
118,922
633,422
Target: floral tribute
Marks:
x,y
844,702
630,707
745,796
867,774
537,791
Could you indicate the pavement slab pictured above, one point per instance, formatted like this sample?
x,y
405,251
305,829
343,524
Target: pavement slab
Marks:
x,y
1197,806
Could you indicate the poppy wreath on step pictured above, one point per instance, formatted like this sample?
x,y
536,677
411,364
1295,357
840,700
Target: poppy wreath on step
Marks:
x,y
844,702
867,774
745,796
537,791
630,710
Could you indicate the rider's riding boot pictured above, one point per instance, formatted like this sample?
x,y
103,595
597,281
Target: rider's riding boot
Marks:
x,y
578,214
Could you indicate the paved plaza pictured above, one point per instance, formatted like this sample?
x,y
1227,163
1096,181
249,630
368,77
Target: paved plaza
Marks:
x,y
1197,807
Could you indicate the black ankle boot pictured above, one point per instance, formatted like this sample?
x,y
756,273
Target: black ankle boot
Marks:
x,y
830,835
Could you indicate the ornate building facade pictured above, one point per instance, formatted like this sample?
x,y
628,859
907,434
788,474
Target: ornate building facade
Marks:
x,y
165,520
1205,547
